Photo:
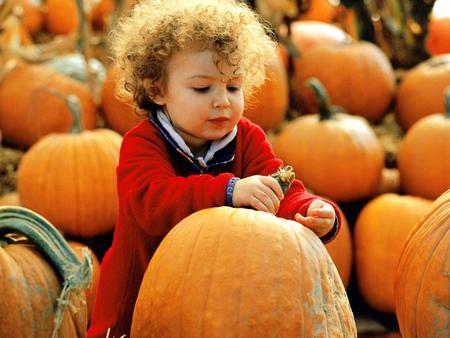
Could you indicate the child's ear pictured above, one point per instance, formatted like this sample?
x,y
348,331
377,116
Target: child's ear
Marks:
x,y
154,91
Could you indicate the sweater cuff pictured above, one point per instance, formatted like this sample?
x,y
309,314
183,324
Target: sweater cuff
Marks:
x,y
332,233
229,191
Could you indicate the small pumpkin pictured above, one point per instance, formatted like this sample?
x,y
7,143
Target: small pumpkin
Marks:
x,y
241,273
269,103
424,155
358,76
119,114
42,279
437,40
29,111
380,232
421,89
335,154
422,295
321,10
77,172
61,16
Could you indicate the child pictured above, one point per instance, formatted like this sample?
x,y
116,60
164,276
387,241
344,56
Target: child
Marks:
x,y
189,64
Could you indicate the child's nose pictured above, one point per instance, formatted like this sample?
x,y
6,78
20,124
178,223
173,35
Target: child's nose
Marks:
x,y
221,100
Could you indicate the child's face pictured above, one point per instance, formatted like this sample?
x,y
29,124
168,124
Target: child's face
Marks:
x,y
204,102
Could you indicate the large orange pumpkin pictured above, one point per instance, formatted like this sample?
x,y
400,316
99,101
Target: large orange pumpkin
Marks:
x,y
269,103
41,279
28,109
119,114
380,233
358,76
70,179
335,154
61,16
241,273
421,90
424,155
437,40
422,294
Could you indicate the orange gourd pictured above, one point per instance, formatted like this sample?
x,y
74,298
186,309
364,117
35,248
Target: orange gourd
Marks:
x,y
335,154
28,111
241,273
424,155
42,279
422,295
269,103
119,114
77,172
358,76
421,89
380,232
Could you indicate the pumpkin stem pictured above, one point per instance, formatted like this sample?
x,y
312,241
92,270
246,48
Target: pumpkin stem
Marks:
x,y
73,104
76,275
447,102
285,176
326,111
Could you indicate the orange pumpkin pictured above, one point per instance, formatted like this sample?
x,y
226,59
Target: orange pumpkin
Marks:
x,y
422,294
380,232
91,291
101,12
421,89
358,76
119,114
42,279
269,103
29,111
61,16
437,40
77,172
341,252
33,15
322,10
335,154
424,155
241,273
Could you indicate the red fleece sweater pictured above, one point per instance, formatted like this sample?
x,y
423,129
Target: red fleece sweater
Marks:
x,y
157,190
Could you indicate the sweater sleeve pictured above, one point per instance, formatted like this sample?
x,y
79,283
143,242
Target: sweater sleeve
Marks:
x,y
153,195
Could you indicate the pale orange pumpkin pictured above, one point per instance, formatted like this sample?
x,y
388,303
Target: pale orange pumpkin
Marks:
x,y
422,294
241,273
358,76
28,111
42,279
335,154
380,232
268,105
424,155
70,178
421,90
119,114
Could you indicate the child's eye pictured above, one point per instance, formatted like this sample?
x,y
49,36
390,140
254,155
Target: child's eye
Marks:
x,y
233,88
201,89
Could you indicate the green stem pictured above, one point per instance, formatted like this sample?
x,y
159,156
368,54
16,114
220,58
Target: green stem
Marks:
x,y
76,275
73,104
447,102
326,111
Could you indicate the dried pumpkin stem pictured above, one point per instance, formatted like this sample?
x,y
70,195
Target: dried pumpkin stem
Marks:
x,y
285,176
76,276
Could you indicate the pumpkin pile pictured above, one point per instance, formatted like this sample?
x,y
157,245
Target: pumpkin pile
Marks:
x,y
358,126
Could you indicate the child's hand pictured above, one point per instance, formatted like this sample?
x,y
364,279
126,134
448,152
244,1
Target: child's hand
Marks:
x,y
320,217
259,192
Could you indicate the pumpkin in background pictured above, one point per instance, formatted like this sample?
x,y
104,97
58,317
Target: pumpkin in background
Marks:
x,y
321,10
42,279
421,90
70,178
422,295
380,232
61,16
341,251
437,40
100,13
336,155
358,76
91,291
306,34
424,155
33,15
29,111
269,103
241,273
11,198
119,114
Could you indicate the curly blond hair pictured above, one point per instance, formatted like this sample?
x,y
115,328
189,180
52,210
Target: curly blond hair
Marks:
x,y
143,42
